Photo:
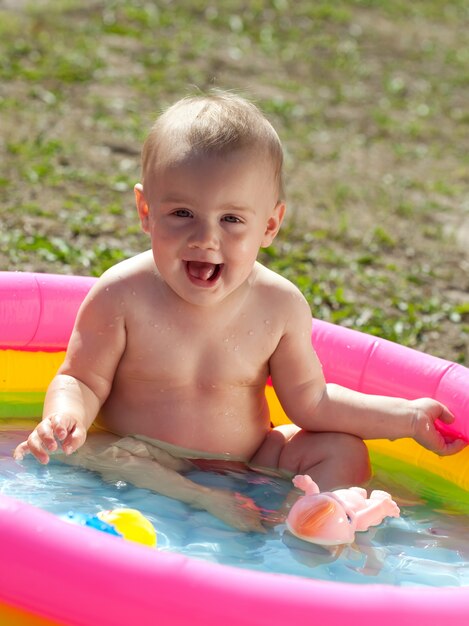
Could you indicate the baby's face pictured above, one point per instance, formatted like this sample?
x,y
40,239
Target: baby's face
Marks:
x,y
207,218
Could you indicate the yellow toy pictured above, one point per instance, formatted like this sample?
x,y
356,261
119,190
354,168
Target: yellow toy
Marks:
x,y
128,524
131,524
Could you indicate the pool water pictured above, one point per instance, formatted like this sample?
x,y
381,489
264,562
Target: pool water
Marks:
x,y
427,546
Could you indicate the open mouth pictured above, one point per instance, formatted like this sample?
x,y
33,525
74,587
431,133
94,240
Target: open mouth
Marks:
x,y
203,272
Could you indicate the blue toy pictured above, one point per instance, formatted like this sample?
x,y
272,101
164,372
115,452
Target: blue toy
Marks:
x,y
129,524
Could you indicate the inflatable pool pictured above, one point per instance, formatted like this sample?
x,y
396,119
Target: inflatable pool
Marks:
x,y
53,572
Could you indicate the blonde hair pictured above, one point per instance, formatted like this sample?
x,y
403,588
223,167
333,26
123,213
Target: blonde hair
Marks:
x,y
213,124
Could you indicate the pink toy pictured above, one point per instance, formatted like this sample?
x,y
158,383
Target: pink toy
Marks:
x,y
332,518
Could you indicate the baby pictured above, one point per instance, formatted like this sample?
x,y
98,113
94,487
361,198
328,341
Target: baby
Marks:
x,y
171,349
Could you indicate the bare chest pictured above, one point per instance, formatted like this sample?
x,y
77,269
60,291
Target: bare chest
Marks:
x,y
178,353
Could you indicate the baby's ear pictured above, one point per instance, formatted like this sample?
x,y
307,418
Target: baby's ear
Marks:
x,y
142,207
273,224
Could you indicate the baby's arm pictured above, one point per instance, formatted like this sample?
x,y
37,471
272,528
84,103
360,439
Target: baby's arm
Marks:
x,y
84,381
376,417
311,404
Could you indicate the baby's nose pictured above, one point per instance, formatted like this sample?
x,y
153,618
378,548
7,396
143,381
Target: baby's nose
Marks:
x,y
205,235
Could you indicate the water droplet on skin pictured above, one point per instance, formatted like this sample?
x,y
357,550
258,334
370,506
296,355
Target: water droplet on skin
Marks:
x,y
251,332
236,348
266,322
225,340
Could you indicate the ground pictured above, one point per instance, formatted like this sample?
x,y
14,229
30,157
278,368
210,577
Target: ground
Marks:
x,y
368,96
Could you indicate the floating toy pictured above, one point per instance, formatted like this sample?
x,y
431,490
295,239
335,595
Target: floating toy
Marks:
x,y
332,518
129,524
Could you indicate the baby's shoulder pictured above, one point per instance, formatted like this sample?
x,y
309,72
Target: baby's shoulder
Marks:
x,y
129,277
132,269
271,285
283,299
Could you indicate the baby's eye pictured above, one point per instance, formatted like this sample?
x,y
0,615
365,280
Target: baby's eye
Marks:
x,y
232,219
182,213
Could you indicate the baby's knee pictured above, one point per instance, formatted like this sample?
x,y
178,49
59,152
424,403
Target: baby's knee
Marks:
x,y
354,455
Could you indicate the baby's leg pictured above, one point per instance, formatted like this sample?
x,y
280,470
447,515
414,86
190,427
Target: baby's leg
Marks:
x,y
145,449
125,458
149,467
332,460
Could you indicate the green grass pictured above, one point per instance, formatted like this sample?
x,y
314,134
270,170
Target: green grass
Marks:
x,y
368,96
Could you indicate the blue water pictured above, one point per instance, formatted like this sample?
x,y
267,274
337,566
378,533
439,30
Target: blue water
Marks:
x,y
424,547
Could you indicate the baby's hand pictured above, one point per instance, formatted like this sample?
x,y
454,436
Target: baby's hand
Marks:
x,y
425,429
43,440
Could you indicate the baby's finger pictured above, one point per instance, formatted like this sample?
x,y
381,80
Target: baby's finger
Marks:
x,y
446,416
74,440
21,451
61,425
453,447
36,447
44,432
